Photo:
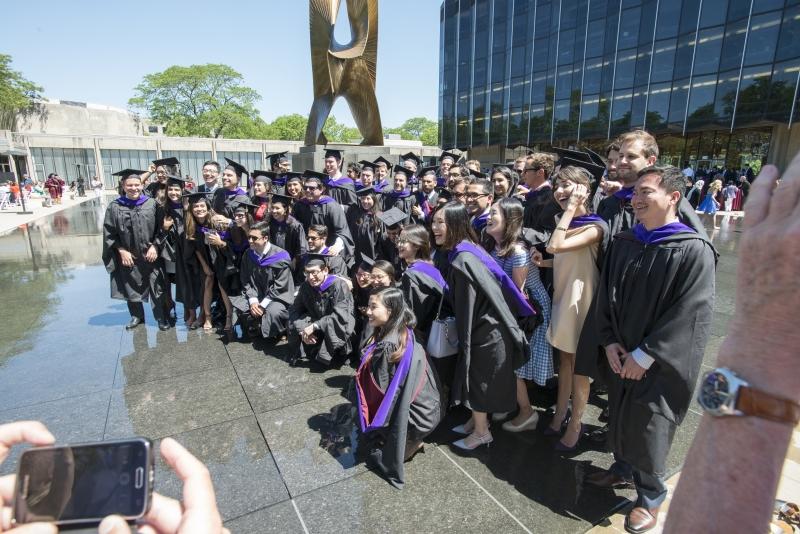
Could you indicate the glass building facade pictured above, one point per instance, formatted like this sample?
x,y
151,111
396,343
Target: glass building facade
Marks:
x,y
710,78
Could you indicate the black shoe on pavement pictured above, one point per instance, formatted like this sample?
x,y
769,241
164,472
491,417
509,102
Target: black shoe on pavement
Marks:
x,y
135,321
163,325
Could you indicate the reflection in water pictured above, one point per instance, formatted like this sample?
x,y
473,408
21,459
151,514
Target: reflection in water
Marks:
x,y
338,433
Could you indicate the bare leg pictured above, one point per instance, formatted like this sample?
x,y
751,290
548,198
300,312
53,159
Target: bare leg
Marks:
x,y
524,403
580,396
565,366
481,428
208,290
228,307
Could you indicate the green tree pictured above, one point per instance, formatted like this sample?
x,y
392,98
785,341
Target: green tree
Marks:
x,y
17,94
416,126
338,132
430,135
199,100
287,128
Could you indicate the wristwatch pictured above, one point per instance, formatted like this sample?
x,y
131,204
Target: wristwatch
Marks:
x,y
724,393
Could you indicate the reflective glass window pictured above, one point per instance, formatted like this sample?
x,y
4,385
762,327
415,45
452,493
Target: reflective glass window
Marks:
x,y
701,101
753,94
789,42
713,13
566,44
564,81
669,14
629,27
762,6
638,107
658,105
663,60
781,93
726,96
538,88
762,38
626,64
738,9
592,73
642,65
501,26
733,45
684,55
498,67
594,121
589,108
709,45
518,87
689,13
539,123
647,22
594,38
677,102
518,64
611,35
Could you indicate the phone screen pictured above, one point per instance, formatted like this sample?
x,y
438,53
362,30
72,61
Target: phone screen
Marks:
x,y
84,483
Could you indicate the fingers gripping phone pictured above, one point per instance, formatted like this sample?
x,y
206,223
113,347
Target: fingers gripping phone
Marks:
x,y
81,484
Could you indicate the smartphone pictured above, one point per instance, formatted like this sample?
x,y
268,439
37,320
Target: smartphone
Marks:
x,y
81,484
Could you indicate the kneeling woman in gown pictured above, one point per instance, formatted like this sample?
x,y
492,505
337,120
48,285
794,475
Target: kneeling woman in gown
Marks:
x,y
397,388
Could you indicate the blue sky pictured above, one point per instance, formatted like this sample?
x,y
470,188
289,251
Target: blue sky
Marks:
x,y
98,51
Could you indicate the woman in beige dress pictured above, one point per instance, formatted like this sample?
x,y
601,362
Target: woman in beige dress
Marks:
x,y
575,244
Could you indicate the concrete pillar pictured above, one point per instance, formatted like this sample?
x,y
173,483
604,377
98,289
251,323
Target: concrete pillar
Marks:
x,y
213,150
98,161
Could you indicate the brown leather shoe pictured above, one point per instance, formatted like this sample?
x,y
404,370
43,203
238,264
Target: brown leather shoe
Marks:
x,y
607,479
641,520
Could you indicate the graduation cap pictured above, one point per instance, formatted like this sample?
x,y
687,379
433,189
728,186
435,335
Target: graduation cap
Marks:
x,y
367,165
427,170
276,158
496,165
314,258
172,179
367,263
596,158
333,153
282,199
413,157
448,155
477,174
575,155
240,169
127,172
595,170
399,168
292,175
166,161
383,160
244,205
314,174
194,197
444,194
392,217
366,191
269,175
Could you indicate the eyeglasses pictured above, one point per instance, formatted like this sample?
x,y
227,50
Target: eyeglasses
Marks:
x,y
252,238
475,196
310,187
459,195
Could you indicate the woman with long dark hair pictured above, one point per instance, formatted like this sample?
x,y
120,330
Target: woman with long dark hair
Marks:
x,y
422,284
491,343
397,389
259,195
504,243
505,182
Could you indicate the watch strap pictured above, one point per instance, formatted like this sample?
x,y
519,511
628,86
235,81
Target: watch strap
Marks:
x,y
758,403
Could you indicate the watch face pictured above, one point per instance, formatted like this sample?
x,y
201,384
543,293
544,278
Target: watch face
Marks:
x,y
715,391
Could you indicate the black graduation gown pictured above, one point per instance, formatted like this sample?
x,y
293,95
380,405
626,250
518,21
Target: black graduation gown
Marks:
x,y
224,203
274,282
331,310
491,343
331,215
344,194
134,229
660,298
387,251
290,236
416,409
365,231
336,265
423,295
188,274
540,210
403,203
618,213
222,261
152,189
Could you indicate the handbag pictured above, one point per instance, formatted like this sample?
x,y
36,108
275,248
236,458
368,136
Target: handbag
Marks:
x,y
443,339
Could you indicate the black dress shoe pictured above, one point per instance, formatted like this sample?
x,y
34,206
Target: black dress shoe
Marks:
x,y
163,325
607,479
641,519
135,321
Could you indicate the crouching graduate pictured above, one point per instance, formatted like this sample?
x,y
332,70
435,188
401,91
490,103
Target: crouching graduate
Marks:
x,y
398,391
321,320
130,250
654,310
267,285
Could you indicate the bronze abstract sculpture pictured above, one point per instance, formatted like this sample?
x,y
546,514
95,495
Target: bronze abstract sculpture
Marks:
x,y
347,71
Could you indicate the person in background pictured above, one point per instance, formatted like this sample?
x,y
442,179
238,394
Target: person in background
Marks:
x,y
97,186
398,398
286,232
211,171
505,182
55,187
729,194
260,195
709,206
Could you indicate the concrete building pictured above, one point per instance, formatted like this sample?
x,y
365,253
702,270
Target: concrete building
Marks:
x,y
715,80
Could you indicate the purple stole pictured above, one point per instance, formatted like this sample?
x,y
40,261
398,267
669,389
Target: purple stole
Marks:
x,y
328,282
177,206
422,200
395,195
524,308
583,220
128,203
625,194
324,199
237,191
430,271
224,235
269,260
374,405
479,222
648,237
280,180
339,182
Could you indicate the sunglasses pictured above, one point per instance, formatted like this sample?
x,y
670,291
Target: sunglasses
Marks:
x,y
310,187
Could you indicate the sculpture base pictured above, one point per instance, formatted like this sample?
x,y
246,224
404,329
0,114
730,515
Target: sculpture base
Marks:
x,y
313,157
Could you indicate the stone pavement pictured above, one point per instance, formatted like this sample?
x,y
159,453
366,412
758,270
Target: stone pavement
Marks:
x,y
280,442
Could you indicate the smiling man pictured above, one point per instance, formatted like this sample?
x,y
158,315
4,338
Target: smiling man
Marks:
x,y
654,309
480,195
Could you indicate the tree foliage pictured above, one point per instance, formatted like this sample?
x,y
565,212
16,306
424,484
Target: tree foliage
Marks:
x,y
17,94
199,100
417,129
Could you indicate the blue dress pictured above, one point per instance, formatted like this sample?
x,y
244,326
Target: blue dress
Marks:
x,y
539,367
709,205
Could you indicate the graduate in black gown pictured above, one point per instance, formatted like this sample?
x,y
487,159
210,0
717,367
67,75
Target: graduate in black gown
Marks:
x,y
162,168
131,256
362,289
267,285
279,164
260,194
386,246
226,197
421,283
341,188
427,196
398,392
365,227
654,312
400,197
446,160
321,320
412,162
316,237
181,269
316,208
294,186
491,343
286,232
